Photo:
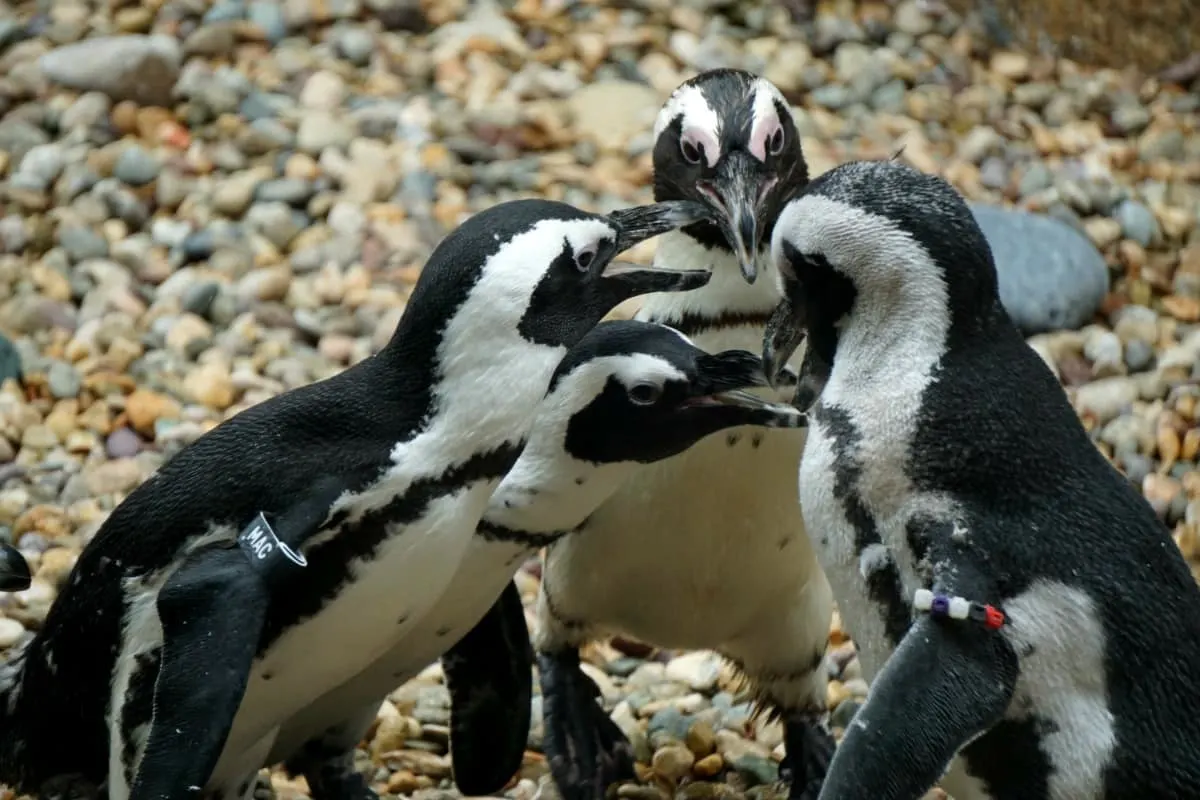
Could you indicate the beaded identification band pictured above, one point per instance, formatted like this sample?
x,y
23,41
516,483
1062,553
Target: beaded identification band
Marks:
x,y
943,605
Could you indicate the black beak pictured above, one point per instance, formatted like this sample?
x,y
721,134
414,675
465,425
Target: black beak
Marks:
x,y
784,332
14,570
737,195
623,279
723,379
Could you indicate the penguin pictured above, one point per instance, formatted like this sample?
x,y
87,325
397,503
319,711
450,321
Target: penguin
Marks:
x,y
282,552
628,393
588,434
715,530
1029,627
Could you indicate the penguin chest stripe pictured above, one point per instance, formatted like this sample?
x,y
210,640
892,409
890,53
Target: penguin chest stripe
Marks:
x,y
868,562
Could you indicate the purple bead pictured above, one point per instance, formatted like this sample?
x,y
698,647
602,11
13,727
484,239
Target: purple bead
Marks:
x,y
941,604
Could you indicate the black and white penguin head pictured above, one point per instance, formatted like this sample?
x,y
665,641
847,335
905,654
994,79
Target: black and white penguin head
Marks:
x,y
638,392
880,251
545,269
727,138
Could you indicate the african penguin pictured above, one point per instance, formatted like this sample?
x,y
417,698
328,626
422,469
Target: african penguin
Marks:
x,y
283,552
1025,618
627,393
715,532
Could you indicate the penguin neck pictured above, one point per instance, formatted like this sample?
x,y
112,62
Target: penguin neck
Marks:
x,y
483,382
726,301
543,495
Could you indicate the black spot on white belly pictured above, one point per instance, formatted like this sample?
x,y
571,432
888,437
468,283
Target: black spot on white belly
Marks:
x,y
403,618
883,583
756,440
732,439
442,631
579,481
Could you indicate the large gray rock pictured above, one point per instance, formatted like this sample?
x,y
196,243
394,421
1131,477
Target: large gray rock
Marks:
x,y
1051,276
138,68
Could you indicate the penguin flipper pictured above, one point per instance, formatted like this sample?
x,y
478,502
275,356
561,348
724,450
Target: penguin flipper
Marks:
x,y
212,611
946,683
490,697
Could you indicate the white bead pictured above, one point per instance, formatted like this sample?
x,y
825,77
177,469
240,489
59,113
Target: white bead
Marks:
x,y
923,600
960,607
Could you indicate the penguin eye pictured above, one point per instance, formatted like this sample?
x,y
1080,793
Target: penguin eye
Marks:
x,y
585,257
692,152
775,141
644,394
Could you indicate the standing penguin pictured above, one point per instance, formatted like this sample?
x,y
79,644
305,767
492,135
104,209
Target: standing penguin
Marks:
x,y
715,532
628,393
1014,599
284,551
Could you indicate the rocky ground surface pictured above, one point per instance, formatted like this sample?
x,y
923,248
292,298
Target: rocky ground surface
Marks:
x,y
203,204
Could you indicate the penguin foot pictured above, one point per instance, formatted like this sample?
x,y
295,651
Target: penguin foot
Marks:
x,y
810,747
585,749
332,777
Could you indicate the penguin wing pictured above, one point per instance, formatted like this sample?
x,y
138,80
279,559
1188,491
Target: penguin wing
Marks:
x,y
489,673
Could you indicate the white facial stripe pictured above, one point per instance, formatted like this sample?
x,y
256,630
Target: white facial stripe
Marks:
x,y
637,368
700,123
765,120
869,249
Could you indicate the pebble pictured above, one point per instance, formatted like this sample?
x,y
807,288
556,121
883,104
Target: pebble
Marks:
x,y
1137,222
1051,277
139,68
136,167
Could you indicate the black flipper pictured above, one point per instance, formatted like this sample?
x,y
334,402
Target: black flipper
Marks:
x,y
947,682
14,570
489,673
212,610
809,750
586,750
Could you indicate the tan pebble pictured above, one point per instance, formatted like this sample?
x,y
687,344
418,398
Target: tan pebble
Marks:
x,y
38,437
336,347
49,521
7,451
63,418
673,762
52,283
301,165
96,417
632,791
420,762
1014,66
124,119
187,329
1102,231
1160,489
709,766
1176,222
1131,254
210,385
857,687
56,565
701,739
1191,445
390,736
402,782
81,442
1168,446
123,352
11,632
1184,309
118,476
150,122
266,284
145,407
835,693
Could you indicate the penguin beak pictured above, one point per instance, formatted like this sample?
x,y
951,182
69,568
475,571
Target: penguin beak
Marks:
x,y
784,332
721,384
737,194
624,279
14,570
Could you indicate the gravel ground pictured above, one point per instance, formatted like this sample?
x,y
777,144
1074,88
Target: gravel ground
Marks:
x,y
203,204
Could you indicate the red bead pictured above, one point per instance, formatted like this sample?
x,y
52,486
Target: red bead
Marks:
x,y
994,619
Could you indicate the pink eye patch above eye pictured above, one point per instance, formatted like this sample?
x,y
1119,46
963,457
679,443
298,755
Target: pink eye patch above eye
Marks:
x,y
760,135
704,141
